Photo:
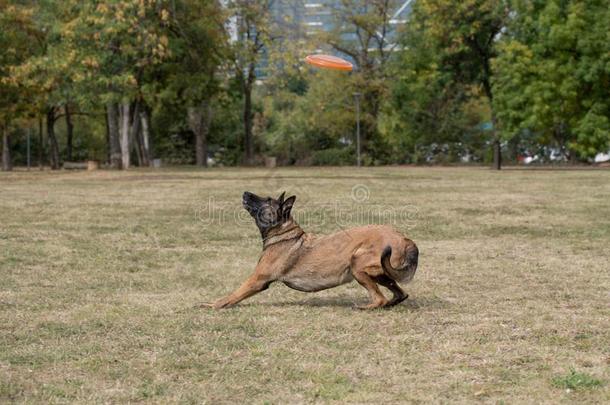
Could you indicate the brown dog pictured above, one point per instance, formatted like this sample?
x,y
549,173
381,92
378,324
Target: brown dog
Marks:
x,y
313,263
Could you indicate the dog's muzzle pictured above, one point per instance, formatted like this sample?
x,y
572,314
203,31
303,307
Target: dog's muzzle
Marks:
x,y
248,202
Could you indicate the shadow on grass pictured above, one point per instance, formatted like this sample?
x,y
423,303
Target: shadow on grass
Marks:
x,y
432,302
340,301
348,302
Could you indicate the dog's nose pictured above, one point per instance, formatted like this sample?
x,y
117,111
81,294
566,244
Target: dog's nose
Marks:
x,y
246,200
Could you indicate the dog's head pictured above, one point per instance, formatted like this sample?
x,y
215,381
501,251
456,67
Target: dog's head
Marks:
x,y
268,212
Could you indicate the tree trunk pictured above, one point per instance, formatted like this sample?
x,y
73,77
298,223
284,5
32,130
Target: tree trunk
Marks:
x,y
497,163
6,151
114,145
572,156
70,130
248,141
107,134
206,106
145,145
134,132
52,139
369,113
124,109
40,144
199,122
497,146
138,142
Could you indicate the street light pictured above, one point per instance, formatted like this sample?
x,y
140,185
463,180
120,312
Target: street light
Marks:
x,y
357,99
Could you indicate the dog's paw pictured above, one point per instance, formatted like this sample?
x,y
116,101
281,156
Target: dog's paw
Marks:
x,y
221,303
373,305
204,305
397,300
218,304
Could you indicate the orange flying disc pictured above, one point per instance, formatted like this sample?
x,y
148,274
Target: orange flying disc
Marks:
x,y
329,62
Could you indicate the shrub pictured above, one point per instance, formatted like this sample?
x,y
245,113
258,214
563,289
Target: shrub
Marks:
x,y
333,157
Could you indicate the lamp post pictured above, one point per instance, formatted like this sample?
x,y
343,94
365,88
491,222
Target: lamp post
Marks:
x,y
357,99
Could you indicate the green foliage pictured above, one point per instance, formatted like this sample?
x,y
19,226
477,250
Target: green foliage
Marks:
x,y
333,157
323,117
197,47
553,74
19,39
576,380
539,70
442,89
114,44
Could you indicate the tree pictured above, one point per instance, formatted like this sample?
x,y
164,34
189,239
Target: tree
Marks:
x,y
361,32
45,72
8,93
463,36
427,101
19,41
117,44
302,120
253,28
200,44
552,76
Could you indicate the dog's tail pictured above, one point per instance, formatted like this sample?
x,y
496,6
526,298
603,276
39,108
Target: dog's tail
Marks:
x,y
407,271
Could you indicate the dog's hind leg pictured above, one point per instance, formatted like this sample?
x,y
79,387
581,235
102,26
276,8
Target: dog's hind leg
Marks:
x,y
399,294
377,298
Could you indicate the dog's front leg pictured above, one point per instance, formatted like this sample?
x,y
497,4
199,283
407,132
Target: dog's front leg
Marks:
x,y
253,285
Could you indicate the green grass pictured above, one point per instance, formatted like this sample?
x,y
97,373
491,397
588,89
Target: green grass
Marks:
x,y
99,273
575,380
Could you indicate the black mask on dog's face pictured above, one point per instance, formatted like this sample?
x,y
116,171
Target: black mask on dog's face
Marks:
x,y
268,212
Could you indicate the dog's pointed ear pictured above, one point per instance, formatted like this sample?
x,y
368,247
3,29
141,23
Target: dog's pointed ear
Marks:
x,y
281,197
287,206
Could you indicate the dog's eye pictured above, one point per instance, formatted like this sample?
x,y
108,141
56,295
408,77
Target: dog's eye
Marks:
x,y
267,215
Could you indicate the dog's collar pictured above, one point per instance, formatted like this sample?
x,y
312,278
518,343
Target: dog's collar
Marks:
x,y
289,234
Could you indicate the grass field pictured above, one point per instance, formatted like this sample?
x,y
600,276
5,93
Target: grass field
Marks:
x,y
99,273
